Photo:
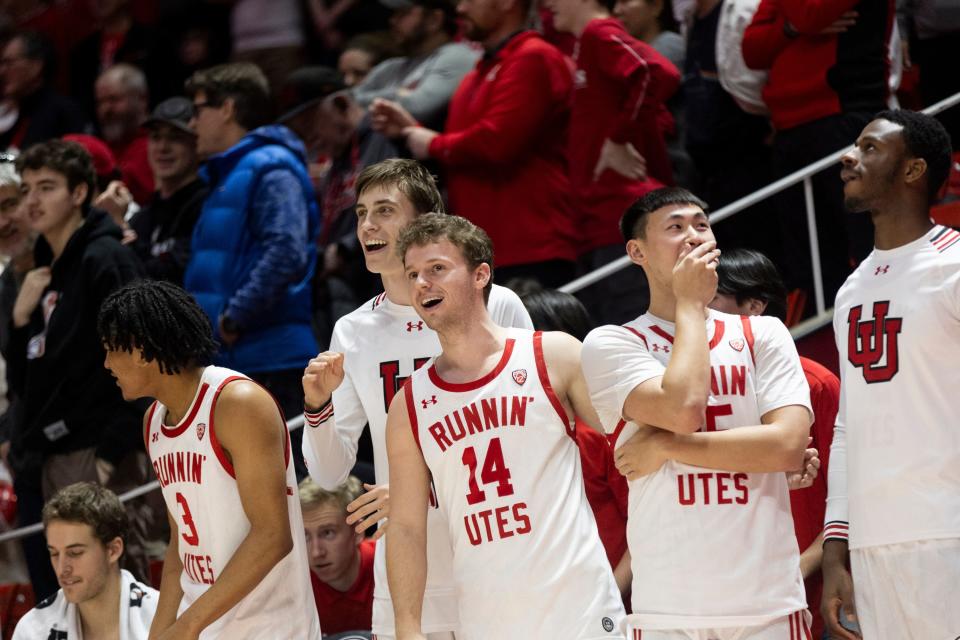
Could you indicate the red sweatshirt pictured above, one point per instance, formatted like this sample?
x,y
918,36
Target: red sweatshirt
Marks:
x,y
503,151
620,90
813,76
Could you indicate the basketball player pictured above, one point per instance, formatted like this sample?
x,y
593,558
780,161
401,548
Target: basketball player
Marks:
x,y
85,526
706,411
236,566
485,432
372,352
894,474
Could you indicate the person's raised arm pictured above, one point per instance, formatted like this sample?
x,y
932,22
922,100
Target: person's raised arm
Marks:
x,y
252,433
410,496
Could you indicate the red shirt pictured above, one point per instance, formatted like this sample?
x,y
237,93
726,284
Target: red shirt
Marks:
x,y
808,505
135,168
350,610
606,491
504,149
813,76
620,89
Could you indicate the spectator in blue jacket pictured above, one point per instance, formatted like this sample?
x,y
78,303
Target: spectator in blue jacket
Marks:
x,y
253,251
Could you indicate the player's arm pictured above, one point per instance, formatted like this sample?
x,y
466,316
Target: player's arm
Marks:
x,y
677,400
561,356
406,553
171,592
252,433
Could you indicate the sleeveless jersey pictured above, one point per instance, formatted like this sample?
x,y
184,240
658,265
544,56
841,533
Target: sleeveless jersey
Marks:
x,y
895,457
709,548
384,343
200,490
527,560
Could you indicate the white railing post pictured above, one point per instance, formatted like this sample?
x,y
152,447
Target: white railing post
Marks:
x,y
814,244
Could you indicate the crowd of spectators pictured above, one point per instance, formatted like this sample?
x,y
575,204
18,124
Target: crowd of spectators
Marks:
x,y
217,144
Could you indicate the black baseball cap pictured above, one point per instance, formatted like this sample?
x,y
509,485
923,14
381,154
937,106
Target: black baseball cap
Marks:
x,y
306,87
176,112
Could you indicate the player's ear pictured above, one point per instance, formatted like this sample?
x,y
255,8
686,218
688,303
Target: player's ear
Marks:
x,y
916,169
756,307
635,251
482,274
114,549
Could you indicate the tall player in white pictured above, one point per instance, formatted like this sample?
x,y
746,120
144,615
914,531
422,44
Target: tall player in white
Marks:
x,y
489,424
236,566
706,410
373,351
894,477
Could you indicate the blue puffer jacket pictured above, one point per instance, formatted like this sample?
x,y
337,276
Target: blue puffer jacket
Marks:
x,y
253,251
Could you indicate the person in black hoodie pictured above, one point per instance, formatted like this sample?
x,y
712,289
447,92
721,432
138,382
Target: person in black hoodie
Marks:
x,y
74,425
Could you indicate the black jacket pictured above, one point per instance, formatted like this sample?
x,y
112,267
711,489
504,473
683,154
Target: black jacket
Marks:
x,y
43,115
69,400
164,229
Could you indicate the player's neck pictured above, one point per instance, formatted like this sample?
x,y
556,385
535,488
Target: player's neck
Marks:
x,y
892,229
663,304
470,348
100,615
177,392
396,287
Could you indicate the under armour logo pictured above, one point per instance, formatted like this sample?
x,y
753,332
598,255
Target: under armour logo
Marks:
x,y
427,403
658,348
415,325
154,437
882,269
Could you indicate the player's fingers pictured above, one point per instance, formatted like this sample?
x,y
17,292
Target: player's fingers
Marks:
x,y
833,622
369,521
362,500
365,510
381,529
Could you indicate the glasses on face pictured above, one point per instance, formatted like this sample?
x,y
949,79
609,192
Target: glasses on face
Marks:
x,y
197,106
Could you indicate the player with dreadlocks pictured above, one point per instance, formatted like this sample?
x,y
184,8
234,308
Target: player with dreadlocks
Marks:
x,y
236,566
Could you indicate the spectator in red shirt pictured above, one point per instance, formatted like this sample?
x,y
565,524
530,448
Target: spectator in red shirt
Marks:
x,y
829,67
341,559
605,487
616,147
750,285
121,93
504,145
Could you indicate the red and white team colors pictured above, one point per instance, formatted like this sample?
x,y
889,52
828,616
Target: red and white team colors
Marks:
x,y
200,491
895,461
710,549
384,343
527,560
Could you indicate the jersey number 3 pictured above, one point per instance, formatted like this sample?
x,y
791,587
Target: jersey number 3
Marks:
x,y
494,471
190,536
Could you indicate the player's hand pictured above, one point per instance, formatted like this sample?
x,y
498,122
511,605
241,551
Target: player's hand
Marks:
x,y
695,274
622,158
321,377
179,630
371,508
837,591
418,141
642,454
32,288
804,477
389,118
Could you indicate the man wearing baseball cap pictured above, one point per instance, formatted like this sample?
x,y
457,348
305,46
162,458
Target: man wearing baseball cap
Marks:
x,y
165,225
425,77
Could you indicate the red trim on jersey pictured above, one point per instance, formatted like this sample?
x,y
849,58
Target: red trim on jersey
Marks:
x,y
459,387
146,431
612,437
748,335
544,376
718,329
947,241
792,621
173,432
806,629
639,335
412,412
217,449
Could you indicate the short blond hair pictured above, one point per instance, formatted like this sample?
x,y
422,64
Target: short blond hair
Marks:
x,y
313,495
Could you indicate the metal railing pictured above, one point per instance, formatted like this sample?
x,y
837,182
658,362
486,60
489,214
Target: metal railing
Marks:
x,y
823,315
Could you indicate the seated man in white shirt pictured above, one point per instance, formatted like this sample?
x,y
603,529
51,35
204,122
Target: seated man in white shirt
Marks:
x,y
85,526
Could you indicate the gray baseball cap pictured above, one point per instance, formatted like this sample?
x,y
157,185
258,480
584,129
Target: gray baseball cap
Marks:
x,y
176,112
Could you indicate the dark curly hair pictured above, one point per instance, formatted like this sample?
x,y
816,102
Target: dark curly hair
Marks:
x,y
925,138
161,320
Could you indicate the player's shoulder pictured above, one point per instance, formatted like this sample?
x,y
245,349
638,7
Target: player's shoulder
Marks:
x,y
611,338
503,297
41,619
946,242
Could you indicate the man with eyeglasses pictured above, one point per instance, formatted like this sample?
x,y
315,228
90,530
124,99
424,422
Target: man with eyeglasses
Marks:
x,y
41,112
253,250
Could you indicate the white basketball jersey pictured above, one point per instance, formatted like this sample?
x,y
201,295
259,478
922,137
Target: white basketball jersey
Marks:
x,y
200,490
383,344
527,560
896,451
709,548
